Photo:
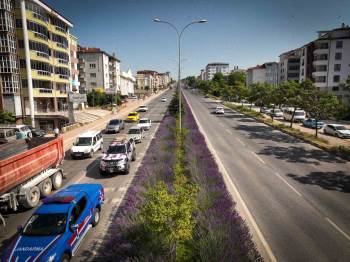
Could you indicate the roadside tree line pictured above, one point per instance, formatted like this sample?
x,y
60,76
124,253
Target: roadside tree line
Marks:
x,y
317,103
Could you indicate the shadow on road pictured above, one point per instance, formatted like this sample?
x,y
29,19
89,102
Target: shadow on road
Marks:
x,y
339,180
296,154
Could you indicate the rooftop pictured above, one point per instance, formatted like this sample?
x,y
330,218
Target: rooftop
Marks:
x,y
95,50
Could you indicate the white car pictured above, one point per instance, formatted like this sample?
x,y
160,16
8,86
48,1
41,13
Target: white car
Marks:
x,y
220,110
299,115
337,130
145,123
136,133
142,109
87,144
163,99
277,113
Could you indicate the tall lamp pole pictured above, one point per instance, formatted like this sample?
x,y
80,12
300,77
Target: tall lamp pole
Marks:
x,y
179,34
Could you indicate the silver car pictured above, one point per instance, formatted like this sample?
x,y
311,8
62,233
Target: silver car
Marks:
x,y
114,126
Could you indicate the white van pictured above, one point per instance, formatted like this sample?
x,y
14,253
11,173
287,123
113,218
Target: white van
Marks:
x,y
299,115
87,144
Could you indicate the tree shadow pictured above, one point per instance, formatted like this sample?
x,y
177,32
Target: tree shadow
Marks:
x,y
247,120
338,181
297,154
265,133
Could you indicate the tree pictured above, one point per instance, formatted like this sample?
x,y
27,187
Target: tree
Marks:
x,y
320,104
236,77
7,117
191,81
219,79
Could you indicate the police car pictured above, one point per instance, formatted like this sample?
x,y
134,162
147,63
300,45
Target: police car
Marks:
x,y
56,229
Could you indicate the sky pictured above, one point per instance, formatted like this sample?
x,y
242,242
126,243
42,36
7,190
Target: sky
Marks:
x,y
243,33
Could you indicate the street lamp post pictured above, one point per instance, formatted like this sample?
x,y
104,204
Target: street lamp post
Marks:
x,y
179,34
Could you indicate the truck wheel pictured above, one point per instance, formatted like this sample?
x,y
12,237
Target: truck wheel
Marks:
x,y
32,198
45,187
96,218
57,180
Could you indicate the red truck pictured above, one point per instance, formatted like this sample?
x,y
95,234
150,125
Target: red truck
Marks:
x,y
29,170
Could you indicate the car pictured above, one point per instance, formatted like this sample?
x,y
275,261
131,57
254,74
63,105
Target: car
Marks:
x,y
118,156
145,123
299,115
57,228
163,99
136,133
337,130
22,131
277,113
133,117
265,110
87,144
219,110
142,109
7,135
114,126
311,123
134,97
37,132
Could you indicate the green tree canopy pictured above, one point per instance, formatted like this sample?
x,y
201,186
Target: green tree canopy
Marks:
x,y
236,77
7,117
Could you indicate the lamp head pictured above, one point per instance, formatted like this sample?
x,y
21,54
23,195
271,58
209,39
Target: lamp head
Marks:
x,y
202,21
156,20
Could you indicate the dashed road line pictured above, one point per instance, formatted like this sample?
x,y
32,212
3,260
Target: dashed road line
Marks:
x,y
258,157
338,228
240,141
289,185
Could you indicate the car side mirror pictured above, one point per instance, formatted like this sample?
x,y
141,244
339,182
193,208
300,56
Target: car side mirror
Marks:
x,y
74,227
19,228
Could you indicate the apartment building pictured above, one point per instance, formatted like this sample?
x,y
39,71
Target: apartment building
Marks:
x,y
289,65
73,47
98,70
35,61
127,82
202,75
151,80
213,68
265,73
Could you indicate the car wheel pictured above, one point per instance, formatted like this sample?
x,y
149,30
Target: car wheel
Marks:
x,y
127,170
45,187
96,218
65,258
101,146
91,154
337,135
57,180
133,158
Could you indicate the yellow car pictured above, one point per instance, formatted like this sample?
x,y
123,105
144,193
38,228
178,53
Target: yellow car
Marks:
x,y
133,117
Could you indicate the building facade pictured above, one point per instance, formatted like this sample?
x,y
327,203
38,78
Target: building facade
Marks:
x,y
265,73
98,70
73,48
127,82
151,80
213,68
35,61
289,66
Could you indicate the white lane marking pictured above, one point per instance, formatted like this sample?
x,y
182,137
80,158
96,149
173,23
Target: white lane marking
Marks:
x,y
233,186
109,189
338,228
240,141
286,182
258,157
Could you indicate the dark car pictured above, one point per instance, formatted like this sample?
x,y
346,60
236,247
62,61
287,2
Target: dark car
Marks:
x,y
37,132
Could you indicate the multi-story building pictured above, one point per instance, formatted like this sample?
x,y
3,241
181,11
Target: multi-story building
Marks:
x,y
35,67
202,75
151,80
289,66
213,68
127,82
265,73
73,47
98,70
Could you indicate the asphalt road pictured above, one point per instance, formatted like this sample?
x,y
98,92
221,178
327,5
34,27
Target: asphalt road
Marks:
x,y
298,195
86,171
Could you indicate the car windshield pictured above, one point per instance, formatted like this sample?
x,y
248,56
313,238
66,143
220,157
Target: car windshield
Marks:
x,y
299,113
132,114
341,128
119,149
83,141
134,131
46,224
142,121
114,122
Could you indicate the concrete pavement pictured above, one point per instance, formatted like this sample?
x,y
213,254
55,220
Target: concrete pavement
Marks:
x,y
298,195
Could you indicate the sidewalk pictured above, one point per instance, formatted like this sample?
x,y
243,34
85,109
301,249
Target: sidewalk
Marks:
x,y
70,136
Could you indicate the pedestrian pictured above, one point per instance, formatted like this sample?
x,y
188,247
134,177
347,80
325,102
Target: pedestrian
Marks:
x,y
56,131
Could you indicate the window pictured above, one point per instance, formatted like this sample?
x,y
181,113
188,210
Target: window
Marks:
x,y
335,88
320,79
60,40
7,43
39,30
337,56
93,84
336,79
337,67
92,65
92,74
6,22
339,44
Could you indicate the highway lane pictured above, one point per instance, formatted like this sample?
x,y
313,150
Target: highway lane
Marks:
x,y
86,171
299,195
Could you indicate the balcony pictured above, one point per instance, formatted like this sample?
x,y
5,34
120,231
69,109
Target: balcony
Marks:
x,y
320,51
319,73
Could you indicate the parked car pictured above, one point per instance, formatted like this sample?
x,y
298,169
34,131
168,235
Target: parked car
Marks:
x,y
115,125
87,144
264,110
134,97
299,115
136,133
57,228
23,132
37,132
133,117
311,123
219,110
118,156
163,99
277,113
337,130
145,123
7,135
142,109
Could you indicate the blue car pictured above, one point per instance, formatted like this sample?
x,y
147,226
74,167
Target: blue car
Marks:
x,y
57,228
311,123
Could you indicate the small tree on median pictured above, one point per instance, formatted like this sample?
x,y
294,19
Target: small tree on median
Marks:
x,y
6,117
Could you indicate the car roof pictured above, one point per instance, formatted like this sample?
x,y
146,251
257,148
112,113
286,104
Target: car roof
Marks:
x,y
89,133
144,118
135,127
335,125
